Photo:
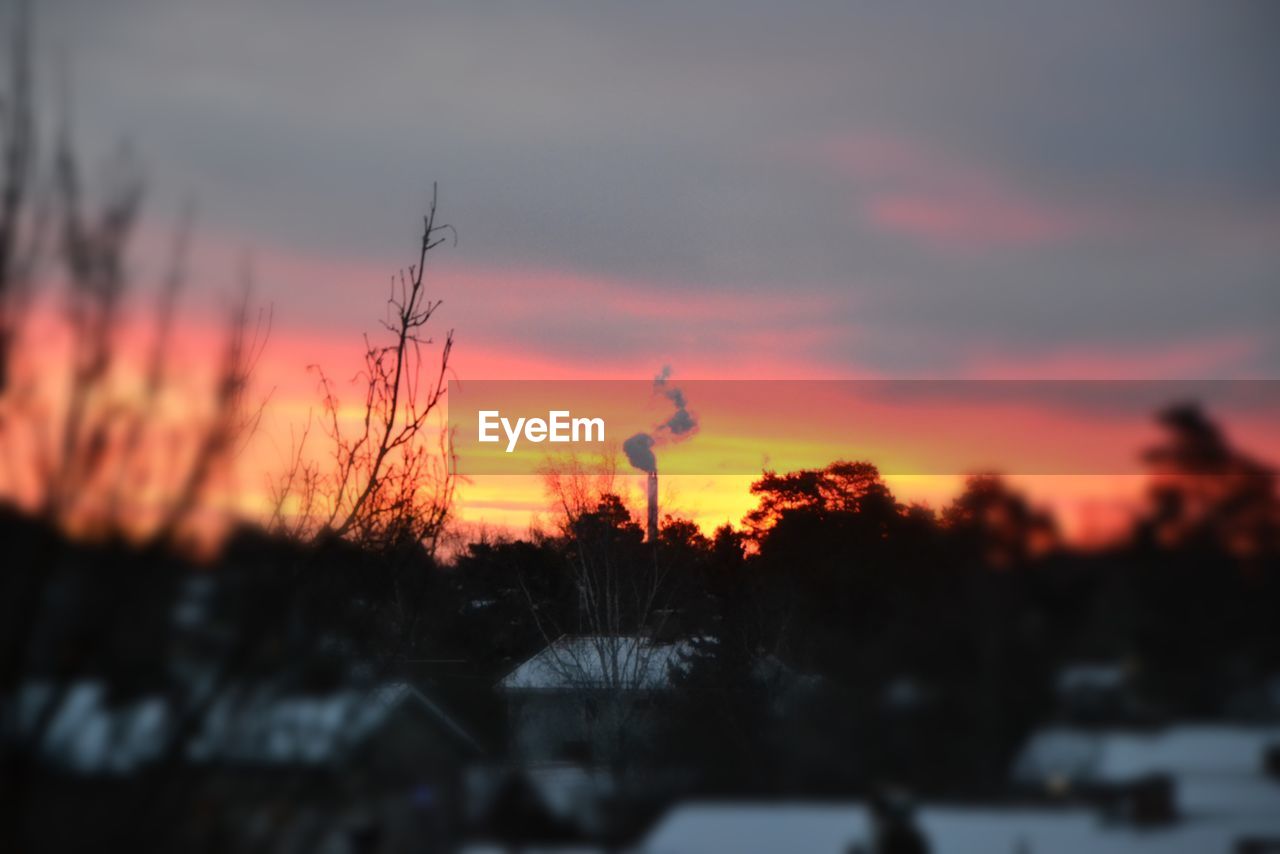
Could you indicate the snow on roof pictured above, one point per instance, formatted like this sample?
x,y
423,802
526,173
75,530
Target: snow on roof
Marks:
x,y
1059,753
1217,768
1119,755
807,828
267,728
748,828
83,735
577,662
87,734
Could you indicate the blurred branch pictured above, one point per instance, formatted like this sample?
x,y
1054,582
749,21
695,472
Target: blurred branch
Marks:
x,y
18,231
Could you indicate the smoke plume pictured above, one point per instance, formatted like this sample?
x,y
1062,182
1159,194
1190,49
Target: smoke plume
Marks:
x,y
639,451
681,424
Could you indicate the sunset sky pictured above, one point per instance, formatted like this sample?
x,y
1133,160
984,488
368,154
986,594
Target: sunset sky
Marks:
x,y
736,190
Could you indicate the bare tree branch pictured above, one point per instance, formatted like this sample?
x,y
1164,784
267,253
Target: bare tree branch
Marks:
x,y
388,482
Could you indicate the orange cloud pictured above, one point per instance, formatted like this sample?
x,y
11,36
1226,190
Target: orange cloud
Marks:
x,y
705,333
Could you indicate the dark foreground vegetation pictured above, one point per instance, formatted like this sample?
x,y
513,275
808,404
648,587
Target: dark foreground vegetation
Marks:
x,y
837,642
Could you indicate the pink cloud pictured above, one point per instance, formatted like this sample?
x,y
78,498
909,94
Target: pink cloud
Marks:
x,y
913,191
537,322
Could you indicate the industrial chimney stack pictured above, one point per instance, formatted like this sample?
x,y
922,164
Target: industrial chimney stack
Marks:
x,y
653,506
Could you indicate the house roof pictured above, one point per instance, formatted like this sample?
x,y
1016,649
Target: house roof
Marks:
x,y
85,735
1217,768
596,662
832,828
89,735
311,729
1116,755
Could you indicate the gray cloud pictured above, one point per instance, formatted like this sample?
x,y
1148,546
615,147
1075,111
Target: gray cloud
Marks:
x,y
676,146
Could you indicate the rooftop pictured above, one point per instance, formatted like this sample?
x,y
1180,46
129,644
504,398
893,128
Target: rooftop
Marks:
x,y
597,662
834,828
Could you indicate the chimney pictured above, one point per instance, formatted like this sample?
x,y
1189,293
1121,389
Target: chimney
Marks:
x,y
653,506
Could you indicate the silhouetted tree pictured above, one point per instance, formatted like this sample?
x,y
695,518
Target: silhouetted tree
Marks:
x,y
390,479
1205,492
997,524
